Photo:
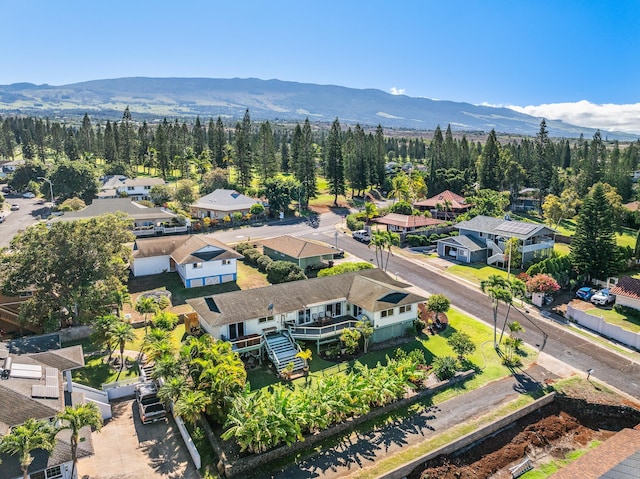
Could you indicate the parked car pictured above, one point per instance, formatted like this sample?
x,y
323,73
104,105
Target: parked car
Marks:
x,y
150,407
28,194
603,297
362,235
15,207
585,293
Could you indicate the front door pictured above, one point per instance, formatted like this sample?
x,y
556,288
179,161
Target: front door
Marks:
x,y
236,331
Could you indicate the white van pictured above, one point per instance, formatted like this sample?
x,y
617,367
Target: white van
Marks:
x,y
362,235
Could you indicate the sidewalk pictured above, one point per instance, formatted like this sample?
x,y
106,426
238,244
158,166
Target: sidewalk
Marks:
x,y
359,451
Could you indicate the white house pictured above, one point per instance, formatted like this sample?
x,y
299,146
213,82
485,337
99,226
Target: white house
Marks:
x,y
221,203
315,309
199,260
116,186
33,386
627,292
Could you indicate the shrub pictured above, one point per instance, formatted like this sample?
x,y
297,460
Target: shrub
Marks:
x,y
242,247
542,283
627,311
445,367
344,268
251,255
263,263
419,324
353,223
284,272
513,361
350,337
165,320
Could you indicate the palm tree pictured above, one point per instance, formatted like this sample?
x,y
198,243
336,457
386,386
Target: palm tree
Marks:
x,y
366,330
122,333
144,306
391,239
305,356
172,389
499,290
370,210
191,405
74,419
27,437
102,328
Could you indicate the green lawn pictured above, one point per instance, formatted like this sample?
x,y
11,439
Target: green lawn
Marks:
x,y
484,360
97,372
613,317
548,469
478,272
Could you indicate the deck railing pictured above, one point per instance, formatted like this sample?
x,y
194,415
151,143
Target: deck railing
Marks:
x,y
318,331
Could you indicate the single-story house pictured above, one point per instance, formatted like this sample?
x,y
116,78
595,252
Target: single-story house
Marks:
x,y
222,203
483,239
115,186
446,205
403,224
146,221
33,386
316,309
199,260
305,254
627,292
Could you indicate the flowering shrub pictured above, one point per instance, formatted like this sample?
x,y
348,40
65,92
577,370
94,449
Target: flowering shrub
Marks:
x,y
524,276
542,283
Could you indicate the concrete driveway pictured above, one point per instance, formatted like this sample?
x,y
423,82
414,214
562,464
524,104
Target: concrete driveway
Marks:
x,y
127,449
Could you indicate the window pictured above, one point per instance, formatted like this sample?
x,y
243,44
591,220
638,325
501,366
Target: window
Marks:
x,y
147,187
130,188
226,261
51,473
197,265
387,313
404,309
265,319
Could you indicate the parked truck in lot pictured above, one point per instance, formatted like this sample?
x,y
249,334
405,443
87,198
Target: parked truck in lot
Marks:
x,y
149,405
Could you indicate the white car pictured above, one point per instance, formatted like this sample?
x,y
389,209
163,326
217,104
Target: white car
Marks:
x,y
28,194
603,297
362,235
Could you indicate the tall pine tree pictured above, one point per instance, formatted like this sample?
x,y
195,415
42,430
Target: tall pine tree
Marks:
x,y
335,164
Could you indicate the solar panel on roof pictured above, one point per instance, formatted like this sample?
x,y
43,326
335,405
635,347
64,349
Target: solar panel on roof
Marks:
x,y
517,227
39,391
393,298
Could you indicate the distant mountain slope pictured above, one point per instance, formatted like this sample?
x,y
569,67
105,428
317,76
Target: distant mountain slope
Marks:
x,y
268,99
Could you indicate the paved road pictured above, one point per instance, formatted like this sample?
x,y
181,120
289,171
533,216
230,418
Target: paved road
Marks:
x,y
16,221
576,351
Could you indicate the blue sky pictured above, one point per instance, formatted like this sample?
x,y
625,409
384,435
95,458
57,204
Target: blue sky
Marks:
x,y
546,54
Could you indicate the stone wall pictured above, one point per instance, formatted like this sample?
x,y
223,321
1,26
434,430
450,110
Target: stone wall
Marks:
x,y
240,467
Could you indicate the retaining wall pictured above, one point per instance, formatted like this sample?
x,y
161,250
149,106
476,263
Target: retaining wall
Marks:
x,y
191,447
470,438
240,467
600,326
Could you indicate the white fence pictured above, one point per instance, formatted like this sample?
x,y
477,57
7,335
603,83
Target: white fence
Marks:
x,y
193,451
99,398
599,325
121,389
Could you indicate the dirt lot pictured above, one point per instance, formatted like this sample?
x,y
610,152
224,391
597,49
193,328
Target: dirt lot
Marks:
x,y
543,436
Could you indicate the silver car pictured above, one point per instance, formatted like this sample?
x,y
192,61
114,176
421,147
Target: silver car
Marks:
x,y
603,297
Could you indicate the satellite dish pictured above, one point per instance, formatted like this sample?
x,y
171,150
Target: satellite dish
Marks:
x,y
270,307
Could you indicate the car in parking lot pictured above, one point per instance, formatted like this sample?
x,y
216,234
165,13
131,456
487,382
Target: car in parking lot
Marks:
x,y
150,406
603,297
15,207
28,194
585,293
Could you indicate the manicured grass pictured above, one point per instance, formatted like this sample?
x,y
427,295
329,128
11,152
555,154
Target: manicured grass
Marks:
x,y
97,372
176,337
613,317
478,272
561,248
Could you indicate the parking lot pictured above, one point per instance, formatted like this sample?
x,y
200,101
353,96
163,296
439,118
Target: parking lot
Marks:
x,y
127,449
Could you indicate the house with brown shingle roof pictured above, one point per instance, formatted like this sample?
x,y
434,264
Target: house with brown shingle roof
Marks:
x,y
403,224
33,386
316,309
446,205
305,254
627,292
199,260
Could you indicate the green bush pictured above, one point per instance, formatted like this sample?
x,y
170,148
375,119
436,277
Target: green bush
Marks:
x,y
353,223
627,311
344,268
165,320
263,263
284,272
251,255
445,367
242,247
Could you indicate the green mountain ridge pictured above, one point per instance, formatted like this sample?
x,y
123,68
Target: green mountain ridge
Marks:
x,y
155,98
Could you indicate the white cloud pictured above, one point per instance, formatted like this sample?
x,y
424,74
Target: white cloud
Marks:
x,y
397,91
611,117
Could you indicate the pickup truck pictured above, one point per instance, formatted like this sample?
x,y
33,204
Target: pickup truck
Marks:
x,y
149,405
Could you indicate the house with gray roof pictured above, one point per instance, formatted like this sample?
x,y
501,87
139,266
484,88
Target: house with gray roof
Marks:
x,y
39,386
484,239
117,186
199,260
221,203
315,310
146,221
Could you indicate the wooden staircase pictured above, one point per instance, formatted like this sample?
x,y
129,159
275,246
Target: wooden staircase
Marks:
x,y
282,350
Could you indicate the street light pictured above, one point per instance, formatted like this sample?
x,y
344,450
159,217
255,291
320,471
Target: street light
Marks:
x,y
50,188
